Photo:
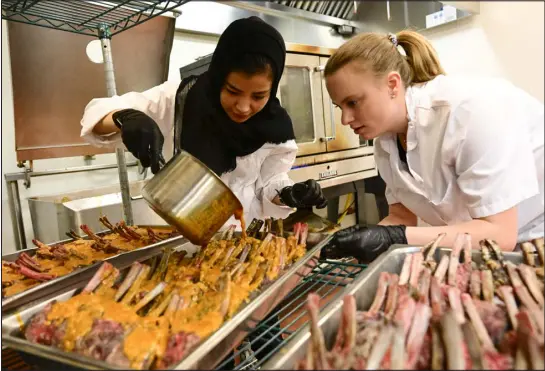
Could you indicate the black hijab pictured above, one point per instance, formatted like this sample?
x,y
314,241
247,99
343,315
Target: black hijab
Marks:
x,y
207,131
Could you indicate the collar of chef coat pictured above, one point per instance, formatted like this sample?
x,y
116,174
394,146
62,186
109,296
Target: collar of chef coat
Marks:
x,y
388,143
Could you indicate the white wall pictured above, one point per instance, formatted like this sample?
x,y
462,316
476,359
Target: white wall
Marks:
x,y
504,40
185,49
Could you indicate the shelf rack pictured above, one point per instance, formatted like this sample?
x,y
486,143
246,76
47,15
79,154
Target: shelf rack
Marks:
x,y
270,335
99,18
86,17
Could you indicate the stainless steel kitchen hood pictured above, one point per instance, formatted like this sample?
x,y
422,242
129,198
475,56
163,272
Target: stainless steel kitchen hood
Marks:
x,y
332,12
333,8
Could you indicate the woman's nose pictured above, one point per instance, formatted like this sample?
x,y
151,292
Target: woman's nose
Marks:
x,y
346,118
242,105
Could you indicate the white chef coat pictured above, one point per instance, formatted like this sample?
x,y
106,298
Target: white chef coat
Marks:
x,y
474,149
256,177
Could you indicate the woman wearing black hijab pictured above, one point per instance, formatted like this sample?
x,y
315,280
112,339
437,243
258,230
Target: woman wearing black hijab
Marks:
x,y
228,117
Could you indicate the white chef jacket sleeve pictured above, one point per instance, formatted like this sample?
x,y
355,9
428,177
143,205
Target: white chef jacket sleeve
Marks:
x,y
157,102
390,198
494,164
274,176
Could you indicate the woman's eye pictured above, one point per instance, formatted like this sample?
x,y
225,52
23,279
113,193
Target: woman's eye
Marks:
x,y
260,97
231,92
352,103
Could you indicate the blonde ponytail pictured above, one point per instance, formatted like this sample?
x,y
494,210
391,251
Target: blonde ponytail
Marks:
x,y
421,56
380,54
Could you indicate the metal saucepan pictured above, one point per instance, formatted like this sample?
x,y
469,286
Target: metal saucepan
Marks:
x,y
189,196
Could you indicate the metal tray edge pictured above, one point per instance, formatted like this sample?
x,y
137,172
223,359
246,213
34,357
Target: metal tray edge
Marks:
x,y
290,349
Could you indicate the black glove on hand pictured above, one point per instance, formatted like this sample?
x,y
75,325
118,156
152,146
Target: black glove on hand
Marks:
x,y
364,243
141,136
305,194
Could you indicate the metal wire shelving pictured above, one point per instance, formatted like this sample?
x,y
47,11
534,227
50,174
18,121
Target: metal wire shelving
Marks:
x,y
270,335
99,18
83,16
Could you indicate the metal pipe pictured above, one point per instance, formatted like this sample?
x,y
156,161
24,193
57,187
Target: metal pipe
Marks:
x,y
105,36
16,215
406,13
76,169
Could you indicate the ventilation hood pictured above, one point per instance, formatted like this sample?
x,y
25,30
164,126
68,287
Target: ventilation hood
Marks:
x,y
339,9
349,17
333,12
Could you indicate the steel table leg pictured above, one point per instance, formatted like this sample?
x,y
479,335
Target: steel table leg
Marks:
x,y
16,215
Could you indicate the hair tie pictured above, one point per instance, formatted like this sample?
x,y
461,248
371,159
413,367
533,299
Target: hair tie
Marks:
x,y
393,39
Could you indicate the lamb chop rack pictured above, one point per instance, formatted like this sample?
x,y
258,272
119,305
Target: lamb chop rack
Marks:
x,y
51,261
491,358
129,233
152,315
493,259
459,274
25,267
60,252
525,297
73,235
529,353
100,243
491,318
529,250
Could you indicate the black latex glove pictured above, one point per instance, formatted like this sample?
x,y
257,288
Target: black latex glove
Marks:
x,y
302,195
364,243
141,136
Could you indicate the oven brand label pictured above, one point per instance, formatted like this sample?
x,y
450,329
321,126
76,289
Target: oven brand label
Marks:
x,y
328,174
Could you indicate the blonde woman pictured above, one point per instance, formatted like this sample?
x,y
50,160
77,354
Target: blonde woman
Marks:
x,y
461,155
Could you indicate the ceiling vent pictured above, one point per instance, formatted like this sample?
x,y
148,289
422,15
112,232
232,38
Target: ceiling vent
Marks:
x,y
339,8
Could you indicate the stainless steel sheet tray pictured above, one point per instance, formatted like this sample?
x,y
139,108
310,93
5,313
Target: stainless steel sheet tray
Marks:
x,y
205,355
363,289
81,274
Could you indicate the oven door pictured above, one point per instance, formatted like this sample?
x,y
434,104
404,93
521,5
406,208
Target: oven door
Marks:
x,y
300,93
338,136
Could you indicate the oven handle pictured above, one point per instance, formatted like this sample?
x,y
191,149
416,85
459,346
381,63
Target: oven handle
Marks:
x,y
331,114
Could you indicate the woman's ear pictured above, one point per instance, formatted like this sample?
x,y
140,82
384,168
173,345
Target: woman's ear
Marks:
x,y
393,79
